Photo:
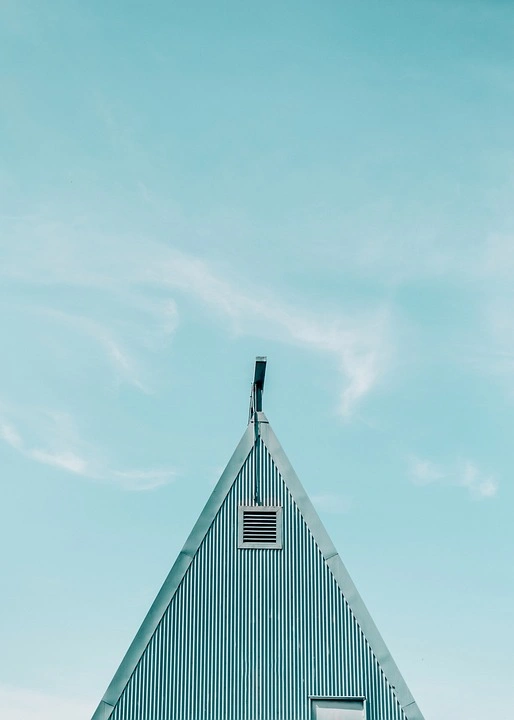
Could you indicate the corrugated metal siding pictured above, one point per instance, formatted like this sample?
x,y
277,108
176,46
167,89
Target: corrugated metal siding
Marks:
x,y
251,634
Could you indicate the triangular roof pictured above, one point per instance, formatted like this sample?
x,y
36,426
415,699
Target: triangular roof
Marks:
x,y
194,542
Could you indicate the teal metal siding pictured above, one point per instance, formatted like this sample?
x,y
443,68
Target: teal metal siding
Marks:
x,y
252,634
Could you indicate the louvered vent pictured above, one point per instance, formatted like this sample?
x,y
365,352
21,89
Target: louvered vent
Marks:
x,y
260,527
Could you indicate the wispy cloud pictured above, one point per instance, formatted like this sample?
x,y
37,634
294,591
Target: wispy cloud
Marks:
x,y
480,485
424,472
143,479
465,474
65,460
10,435
140,480
359,341
121,360
72,461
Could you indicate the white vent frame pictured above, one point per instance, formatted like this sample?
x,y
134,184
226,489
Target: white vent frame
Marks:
x,y
256,509
341,702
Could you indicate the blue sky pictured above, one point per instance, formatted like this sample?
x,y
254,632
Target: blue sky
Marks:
x,y
184,186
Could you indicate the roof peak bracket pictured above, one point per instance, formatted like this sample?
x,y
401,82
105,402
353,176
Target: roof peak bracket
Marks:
x,y
257,386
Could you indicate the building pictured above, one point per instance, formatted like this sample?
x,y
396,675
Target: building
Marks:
x,y
258,618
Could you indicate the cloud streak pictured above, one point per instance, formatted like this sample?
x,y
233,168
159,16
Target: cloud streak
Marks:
x,y
10,435
359,342
71,461
120,359
466,474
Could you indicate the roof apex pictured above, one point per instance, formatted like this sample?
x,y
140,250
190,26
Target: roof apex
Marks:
x,y
258,427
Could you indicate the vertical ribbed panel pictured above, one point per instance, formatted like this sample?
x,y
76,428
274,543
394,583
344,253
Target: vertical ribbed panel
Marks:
x,y
251,634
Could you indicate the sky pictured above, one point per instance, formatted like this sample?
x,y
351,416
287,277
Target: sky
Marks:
x,y
186,185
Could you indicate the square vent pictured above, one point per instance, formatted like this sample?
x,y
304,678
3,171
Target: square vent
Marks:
x,y
260,526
